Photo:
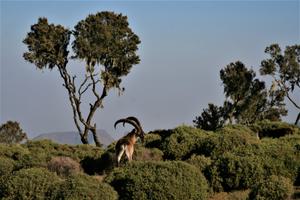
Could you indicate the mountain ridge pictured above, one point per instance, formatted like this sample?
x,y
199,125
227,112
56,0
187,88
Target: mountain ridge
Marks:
x,y
73,138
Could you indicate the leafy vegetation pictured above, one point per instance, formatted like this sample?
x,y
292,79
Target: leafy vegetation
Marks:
x,y
274,187
82,187
28,184
159,180
11,132
180,163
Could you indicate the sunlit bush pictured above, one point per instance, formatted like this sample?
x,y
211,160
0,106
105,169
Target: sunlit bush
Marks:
x,y
6,165
82,187
230,172
29,184
77,152
183,141
158,180
200,161
273,187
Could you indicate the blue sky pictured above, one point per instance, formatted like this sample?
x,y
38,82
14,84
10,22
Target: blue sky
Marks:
x,y
183,47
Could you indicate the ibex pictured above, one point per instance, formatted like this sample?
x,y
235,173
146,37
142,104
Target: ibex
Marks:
x,y
126,143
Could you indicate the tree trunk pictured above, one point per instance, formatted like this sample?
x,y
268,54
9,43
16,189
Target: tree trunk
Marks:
x,y
84,140
96,139
298,118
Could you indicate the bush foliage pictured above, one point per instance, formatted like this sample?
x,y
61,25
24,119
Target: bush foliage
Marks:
x,y
159,180
274,187
28,184
82,187
170,164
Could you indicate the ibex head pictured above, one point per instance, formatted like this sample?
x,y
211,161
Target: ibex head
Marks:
x,y
135,123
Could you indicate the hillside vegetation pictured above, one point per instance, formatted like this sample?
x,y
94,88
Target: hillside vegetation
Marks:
x,y
180,163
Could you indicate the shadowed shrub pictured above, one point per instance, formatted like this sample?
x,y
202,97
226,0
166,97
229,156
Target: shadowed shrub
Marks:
x,y
274,187
101,165
158,180
63,166
82,187
274,129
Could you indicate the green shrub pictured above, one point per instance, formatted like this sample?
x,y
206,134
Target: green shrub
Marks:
x,y
152,140
29,184
147,154
158,180
199,161
227,139
230,172
102,165
77,152
280,157
82,187
13,151
267,128
6,165
274,187
182,142
63,166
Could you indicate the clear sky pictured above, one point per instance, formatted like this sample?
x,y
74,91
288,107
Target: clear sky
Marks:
x,y
184,44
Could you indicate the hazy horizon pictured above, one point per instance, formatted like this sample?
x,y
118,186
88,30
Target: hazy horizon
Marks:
x,y
183,47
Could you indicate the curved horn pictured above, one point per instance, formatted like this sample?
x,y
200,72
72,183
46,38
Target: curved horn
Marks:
x,y
136,126
135,120
142,133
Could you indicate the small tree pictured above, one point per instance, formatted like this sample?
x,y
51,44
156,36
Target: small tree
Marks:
x,y
11,132
104,42
211,118
285,71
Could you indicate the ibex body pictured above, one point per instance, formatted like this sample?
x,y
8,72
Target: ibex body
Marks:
x,y
126,143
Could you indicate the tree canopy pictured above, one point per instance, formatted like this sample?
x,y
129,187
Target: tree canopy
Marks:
x,y
107,45
284,68
11,133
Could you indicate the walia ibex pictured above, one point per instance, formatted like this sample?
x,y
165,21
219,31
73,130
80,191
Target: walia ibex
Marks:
x,y
126,143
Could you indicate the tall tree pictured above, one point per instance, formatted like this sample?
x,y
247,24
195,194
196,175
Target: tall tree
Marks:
x,y
247,97
11,133
107,45
284,68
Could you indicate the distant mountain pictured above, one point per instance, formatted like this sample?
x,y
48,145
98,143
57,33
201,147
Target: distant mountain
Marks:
x,y
73,138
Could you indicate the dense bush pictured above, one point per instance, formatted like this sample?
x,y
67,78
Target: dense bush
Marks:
x,y
226,140
77,152
6,165
82,187
13,151
182,142
158,180
274,129
199,161
63,166
28,184
274,187
278,156
230,172
101,165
